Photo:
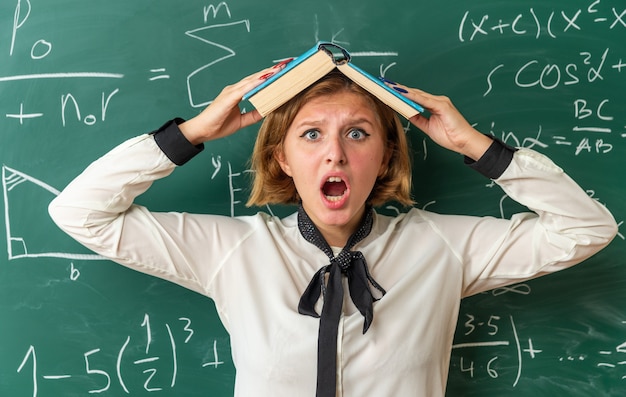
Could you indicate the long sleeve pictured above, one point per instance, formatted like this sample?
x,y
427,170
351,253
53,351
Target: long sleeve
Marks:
x,y
97,210
565,227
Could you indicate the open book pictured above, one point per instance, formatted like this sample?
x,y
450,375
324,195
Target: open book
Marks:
x,y
313,65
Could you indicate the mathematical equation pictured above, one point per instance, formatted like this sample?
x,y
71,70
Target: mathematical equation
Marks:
x,y
580,144
485,335
595,116
530,22
135,366
492,326
70,105
589,67
594,119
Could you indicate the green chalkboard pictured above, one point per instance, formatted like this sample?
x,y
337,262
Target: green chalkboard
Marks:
x,y
78,77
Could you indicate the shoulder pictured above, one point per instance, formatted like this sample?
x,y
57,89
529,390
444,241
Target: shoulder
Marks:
x,y
264,220
259,219
411,216
403,220
417,220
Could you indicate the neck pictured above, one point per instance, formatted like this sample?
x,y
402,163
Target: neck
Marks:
x,y
338,235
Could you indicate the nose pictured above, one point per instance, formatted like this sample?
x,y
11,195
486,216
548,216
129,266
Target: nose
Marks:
x,y
335,150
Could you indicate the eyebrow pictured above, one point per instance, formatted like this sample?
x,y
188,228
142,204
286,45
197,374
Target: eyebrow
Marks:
x,y
316,122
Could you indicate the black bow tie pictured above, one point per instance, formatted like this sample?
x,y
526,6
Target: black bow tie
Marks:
x,y
354,266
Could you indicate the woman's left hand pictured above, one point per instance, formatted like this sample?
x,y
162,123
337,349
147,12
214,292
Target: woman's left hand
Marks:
x,y
446,126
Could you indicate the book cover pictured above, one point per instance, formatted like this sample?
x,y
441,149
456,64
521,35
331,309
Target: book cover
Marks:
x,y
295,62
384,86
312,65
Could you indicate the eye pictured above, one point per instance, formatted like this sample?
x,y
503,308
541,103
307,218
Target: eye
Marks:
x,y
311,135
357,134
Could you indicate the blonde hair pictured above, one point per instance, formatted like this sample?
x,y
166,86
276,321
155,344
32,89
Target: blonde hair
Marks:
x,y
272,186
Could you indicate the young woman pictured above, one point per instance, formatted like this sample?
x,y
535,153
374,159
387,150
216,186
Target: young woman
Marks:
x,y
386,289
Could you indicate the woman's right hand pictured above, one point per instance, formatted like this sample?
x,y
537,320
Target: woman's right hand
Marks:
x,y
223,117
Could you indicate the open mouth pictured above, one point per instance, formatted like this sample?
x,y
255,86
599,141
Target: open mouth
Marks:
x,y
334,188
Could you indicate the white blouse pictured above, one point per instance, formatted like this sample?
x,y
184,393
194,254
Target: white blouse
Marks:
x,y
255,268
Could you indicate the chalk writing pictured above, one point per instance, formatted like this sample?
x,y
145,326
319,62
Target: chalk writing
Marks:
x,y
586,67
159,74
13,182
21,115
74,272
89,119
153,379
484,333
203,34
491,328
529,22
41,49
18,22
521,289
233,191
611,359
153,356
590,116
618,355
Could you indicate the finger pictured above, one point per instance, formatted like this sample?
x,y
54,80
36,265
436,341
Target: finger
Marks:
x,y
428,101
420,121
232,95
251,81
246,84
249,118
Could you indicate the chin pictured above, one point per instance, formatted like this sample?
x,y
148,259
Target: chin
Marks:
x,y
340,216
